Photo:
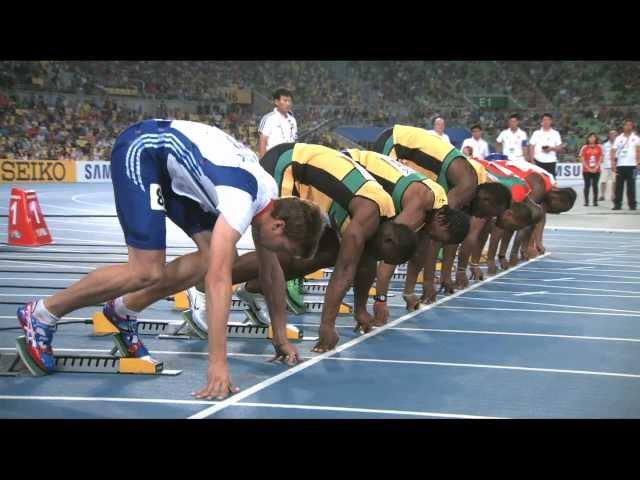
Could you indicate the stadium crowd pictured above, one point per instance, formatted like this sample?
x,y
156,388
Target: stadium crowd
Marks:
x,y
377,93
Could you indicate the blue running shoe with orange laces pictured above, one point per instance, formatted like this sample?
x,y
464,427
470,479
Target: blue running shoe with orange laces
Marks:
x,y
128,340
38,337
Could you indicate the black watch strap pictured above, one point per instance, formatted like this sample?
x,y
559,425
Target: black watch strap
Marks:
x,y
380,298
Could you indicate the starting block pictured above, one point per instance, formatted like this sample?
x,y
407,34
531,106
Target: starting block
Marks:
x,y
20,363
189,330
313,287
181,302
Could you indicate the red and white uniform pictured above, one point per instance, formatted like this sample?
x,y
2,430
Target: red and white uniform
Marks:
x,y
523,169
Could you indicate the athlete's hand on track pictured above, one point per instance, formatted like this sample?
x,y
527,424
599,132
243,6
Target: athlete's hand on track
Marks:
x,y
461,279
476,273
328,339
532,252
429,295
364,322
504,264
513,260
491,267
447,286
541,249
413,301
219,384
381,313
287,354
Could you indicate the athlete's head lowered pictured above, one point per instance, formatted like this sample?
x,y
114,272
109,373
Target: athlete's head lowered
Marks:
x,y
291,226
560,200
394,243
492,198
447,225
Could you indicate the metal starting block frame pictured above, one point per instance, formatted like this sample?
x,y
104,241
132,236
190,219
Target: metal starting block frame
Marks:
x,y
21,363
189,330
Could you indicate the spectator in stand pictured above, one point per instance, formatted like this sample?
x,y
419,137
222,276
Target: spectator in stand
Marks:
x,y
545,144
606,175
512,141
278,126
625,159
591,156
479,148
438,128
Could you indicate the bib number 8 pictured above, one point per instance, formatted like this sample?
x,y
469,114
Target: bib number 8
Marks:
x,y
157,199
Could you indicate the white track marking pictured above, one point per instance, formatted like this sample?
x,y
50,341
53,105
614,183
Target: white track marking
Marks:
x,y
479,365
571,279
585,229
287,373
106,399
378,411
545,292
582,262
595,289
287,406
542,311
590,273
523,302
55,265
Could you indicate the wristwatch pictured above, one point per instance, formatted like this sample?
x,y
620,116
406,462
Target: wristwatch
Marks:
x,y
380,298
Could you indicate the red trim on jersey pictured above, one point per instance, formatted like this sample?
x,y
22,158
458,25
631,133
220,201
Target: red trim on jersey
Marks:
x,y
548,185
266,209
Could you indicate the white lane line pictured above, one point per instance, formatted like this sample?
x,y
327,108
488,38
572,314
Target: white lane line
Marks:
x,y
595,289
160,352
582,262
41,264
290,406
585,274
595,260
579,280
519,334
544,292
479,365
519,294
521,302
287,406
84,240
491,332
298,368
40,279
496,309
588,229
74,198
106,399
55,229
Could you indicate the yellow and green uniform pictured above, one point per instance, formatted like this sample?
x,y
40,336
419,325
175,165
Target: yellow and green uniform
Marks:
x,y
481,171
326,177
423,151
395,177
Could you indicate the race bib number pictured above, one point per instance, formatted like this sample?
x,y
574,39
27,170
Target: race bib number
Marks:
x,y
157,199
592,161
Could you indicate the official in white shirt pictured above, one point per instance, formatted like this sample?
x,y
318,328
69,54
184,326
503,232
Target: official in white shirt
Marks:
x,y
479,148
278,126
438,128
544,144
625,158
606,174
512,141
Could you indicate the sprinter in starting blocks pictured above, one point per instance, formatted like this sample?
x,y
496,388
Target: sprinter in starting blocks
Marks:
x,y
213,188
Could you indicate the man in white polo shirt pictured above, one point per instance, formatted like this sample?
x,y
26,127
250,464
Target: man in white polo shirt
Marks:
x,y
606,176
278,126
625,158
479,148
512,141
438,128
544,145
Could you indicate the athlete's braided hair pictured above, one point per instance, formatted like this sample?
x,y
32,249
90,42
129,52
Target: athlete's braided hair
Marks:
x,y
457,222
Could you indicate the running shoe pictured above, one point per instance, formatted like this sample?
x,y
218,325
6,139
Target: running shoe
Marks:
x,y
257,304
38,336
295,296
128,340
